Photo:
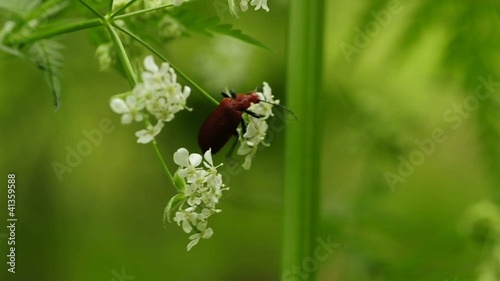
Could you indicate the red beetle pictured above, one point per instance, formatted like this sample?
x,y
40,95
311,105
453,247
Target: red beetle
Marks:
x,y
224,120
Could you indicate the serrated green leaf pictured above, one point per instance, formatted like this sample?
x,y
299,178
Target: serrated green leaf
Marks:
x,y
49,59
14,52
192,19
47,10
173,204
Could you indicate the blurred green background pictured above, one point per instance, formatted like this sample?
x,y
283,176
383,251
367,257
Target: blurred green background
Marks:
x,y
411,63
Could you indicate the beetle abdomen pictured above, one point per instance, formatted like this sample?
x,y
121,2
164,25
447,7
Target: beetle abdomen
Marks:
x,y
219,126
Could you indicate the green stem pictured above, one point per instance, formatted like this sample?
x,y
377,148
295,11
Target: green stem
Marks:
x,y
135,13
303,140
96,13
122,54
58,30
158,54
110,6
122,8
164,165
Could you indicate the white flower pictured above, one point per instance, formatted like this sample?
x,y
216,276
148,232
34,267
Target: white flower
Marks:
x,y
256,129
203,189
130,108
204,233
260,4
104,54
169,28
148,134
158,95
244,5
184,217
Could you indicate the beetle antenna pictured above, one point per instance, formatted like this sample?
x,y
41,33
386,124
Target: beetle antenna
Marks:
x,y
228,93
282,106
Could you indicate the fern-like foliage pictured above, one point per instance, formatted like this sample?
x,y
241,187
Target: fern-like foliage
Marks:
x,y
47,55
28,16
189,16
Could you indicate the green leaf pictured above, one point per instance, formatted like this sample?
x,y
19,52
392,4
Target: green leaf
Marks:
x,y
14,52
179,183
47,10
47,56
173,204
20,8
194,20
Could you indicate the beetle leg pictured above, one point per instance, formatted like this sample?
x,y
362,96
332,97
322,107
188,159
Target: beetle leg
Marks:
x,y
253,114
233,146
243,128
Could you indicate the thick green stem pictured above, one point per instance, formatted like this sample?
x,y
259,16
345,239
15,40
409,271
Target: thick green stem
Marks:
x,y
303,139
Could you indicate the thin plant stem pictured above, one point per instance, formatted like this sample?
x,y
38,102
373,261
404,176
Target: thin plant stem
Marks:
x,y
303,140
96,13
122,8
163,58
110,6
164,165
122,54
135,13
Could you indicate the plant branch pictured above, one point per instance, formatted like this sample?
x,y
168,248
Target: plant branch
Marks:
x,y
122,54
158,54
144,11
57,30
96,13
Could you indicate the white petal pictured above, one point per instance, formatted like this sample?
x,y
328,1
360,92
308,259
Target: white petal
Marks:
x,y
186,92
186,226
119,106
181,157
126,118
150,65
195,159
143,136
157,128
195,239
208,233
248,162
208,157
244,5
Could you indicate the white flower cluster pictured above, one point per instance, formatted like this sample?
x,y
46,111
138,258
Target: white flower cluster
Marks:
x,y
159,95
200,188
258,4
256,127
